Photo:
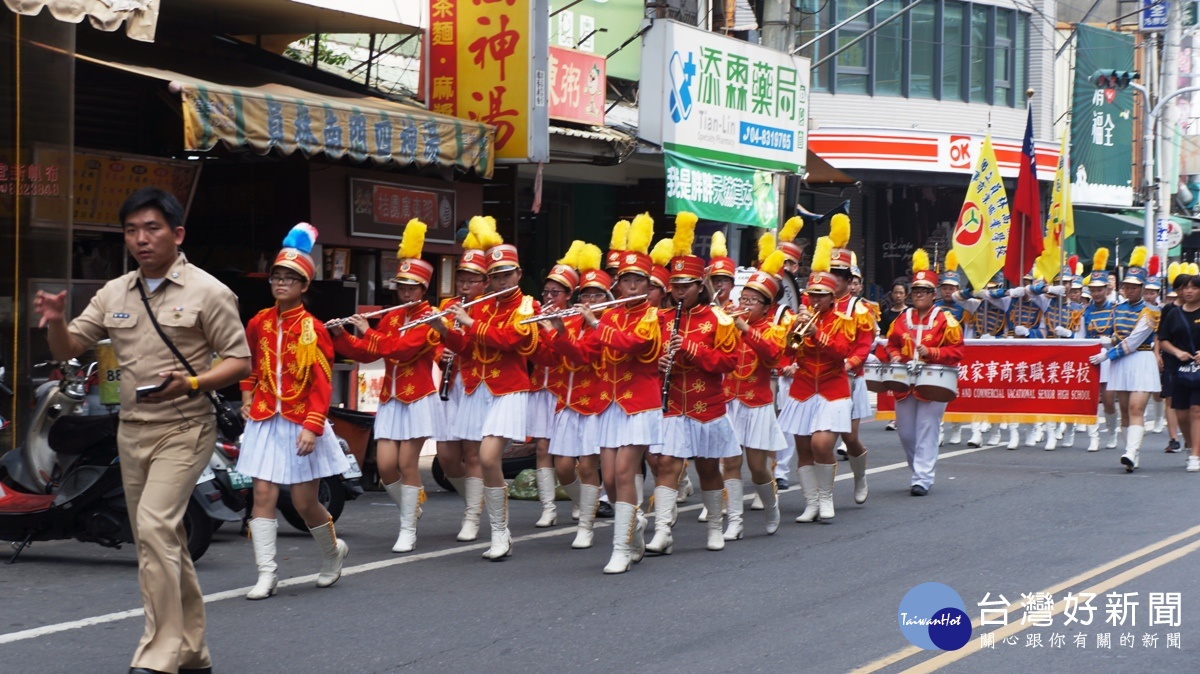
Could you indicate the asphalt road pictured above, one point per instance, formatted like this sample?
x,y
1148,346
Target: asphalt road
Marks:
x,y
812,598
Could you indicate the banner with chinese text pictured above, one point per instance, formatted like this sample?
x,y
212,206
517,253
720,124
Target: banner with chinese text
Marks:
x,y
1101,121
381,209
1021,381
487,63
577,86
720,192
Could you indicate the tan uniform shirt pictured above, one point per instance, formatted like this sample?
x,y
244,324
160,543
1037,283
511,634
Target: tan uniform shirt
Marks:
x,y
198,313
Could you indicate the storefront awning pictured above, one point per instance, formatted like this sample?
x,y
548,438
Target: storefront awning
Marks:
x,y
1118,233
247,107
139,16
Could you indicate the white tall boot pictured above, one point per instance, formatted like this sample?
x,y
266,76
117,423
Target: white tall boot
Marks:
x,y
956,433
1068,439
496,500
826,472
1153,416
639,490
664,516
623,524
994,439
757,503
1114,430
808,482
713,498
589,499
1051,440
1033,436
685,486
1133,446
473,497
573,494
976,439
545,486
637,542
1014,436
735,504
333,551
1093,431
407,499
858,466
770,499
262,535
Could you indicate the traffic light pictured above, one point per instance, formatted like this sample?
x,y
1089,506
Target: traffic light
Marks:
x,y
1113,79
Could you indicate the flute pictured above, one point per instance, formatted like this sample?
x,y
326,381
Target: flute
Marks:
x,y
666,388
464,305
337,322
573,311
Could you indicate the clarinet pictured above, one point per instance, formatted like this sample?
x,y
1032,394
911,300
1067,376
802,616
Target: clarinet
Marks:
x,y
448,370
666,388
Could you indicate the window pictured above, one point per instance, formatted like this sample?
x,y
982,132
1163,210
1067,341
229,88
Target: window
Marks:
x,y
1021,57
953,27
1002,58
852,64
923,51
889,50
980,53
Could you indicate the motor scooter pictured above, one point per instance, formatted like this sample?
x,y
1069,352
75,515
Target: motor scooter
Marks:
x,y
64,481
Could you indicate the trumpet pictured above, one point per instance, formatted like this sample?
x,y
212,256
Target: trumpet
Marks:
x,y
795,336
338,322
464,305
574,311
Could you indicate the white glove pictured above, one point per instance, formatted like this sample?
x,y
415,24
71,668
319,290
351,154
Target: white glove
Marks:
x,y
1019,291
1021,331
1062,332
1056,290
1106,341
1099,358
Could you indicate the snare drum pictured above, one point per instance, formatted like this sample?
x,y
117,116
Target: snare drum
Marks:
x,y
937,383
896,377
873,374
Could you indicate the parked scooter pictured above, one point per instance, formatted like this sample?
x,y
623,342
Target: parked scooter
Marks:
x,y
64,482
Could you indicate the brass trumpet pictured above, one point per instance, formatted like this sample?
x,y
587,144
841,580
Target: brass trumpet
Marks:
x,y
795,336
573,311
464,305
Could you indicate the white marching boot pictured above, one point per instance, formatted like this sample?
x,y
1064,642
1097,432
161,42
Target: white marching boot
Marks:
x,y
994,438
713,499
735,503
685,487
757,503
1051,441
573,494
1034,436
1133,446
496,499
545,487
262,535
1068,439
473,497
976,439
858,466
1114,430
770,499
637,541
826,472
623,525
1014,436
812,499
407,499
589,500
956,434
1093,431
664,516
333,551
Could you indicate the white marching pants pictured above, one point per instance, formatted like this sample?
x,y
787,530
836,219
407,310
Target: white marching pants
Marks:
x,y
917,424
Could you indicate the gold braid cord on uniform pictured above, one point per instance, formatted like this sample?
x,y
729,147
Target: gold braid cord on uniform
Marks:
x,y
727,335
528,330
648,328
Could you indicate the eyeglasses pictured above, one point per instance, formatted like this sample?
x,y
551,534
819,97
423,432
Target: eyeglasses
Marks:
x,y
285,281
746,299
553,292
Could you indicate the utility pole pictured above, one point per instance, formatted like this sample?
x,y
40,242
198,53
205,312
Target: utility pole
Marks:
x,y
1169,124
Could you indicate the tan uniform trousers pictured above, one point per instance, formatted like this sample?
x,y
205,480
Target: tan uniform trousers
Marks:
x,y
160,463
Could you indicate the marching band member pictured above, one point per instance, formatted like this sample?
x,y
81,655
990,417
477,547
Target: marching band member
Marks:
x,y
406,399
930,335
543,396
720,271
1133,374
949,283
818,405
792,253
618,243
1156,410
493,409
287,439
701,348
752,408
1098,324
989,310
1063,319
660,297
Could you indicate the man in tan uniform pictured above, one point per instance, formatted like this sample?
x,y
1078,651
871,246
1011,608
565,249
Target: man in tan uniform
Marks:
x,y
165,439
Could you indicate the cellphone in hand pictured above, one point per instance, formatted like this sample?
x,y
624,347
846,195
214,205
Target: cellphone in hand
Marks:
x,y
150,389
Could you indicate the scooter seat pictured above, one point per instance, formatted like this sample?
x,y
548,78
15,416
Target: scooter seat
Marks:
x,y
74,435
19,502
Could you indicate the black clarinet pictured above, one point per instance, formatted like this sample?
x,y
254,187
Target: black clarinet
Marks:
x,y
448,370
666,389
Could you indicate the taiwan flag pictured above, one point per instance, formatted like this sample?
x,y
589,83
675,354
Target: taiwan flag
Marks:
x,y
1025,237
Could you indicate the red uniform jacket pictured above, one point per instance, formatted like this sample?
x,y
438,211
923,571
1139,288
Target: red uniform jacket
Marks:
x,y
547,367
579,380
760,351
709,351
408,356
940,333
291,376
626,345
865,316
821,359
495,349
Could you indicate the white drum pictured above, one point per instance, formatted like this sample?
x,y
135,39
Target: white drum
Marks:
x,y
936,383
873,374
896,377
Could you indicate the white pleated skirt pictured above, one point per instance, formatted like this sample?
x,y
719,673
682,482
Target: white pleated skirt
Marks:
x,y
686,438
1136,372
618,429
757,427
396,420
1104,370
269,453
860,401
575,434
446,411
815,414
481,414
539,419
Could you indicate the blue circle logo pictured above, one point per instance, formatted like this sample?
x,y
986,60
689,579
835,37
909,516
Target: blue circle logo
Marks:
x,y
932,616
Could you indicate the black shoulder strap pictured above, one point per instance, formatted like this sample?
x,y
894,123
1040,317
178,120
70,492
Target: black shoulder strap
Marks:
x,y
166,340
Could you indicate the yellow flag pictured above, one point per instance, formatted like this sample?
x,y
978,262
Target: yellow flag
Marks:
x,y
1060,222
981,234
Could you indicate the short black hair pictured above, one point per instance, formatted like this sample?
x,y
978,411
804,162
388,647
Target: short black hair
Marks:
x,y
1193,281
153,197
1179,281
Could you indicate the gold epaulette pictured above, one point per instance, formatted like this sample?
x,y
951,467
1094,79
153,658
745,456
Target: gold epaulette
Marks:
x,y
648,328
525,310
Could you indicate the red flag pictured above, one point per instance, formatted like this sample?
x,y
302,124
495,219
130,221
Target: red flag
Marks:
x,y
1025,233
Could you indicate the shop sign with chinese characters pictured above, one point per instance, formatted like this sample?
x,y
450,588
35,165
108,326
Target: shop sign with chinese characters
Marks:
x,y
577,86
727,100
382,210
488,62
720,192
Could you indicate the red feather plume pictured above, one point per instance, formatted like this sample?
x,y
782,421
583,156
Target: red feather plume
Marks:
x,y
1153,267
1071,262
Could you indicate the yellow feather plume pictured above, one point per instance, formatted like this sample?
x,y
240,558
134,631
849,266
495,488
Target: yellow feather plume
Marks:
x,y
718,247
493,237
620,236
662,253
951,261
685,232
1100,259
413,240
571,257
839,230
766,246
1138,257
1079,269
472,243
773,263
1172,273
920,261
590,258
822,254
641,233
791,228
1193,268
